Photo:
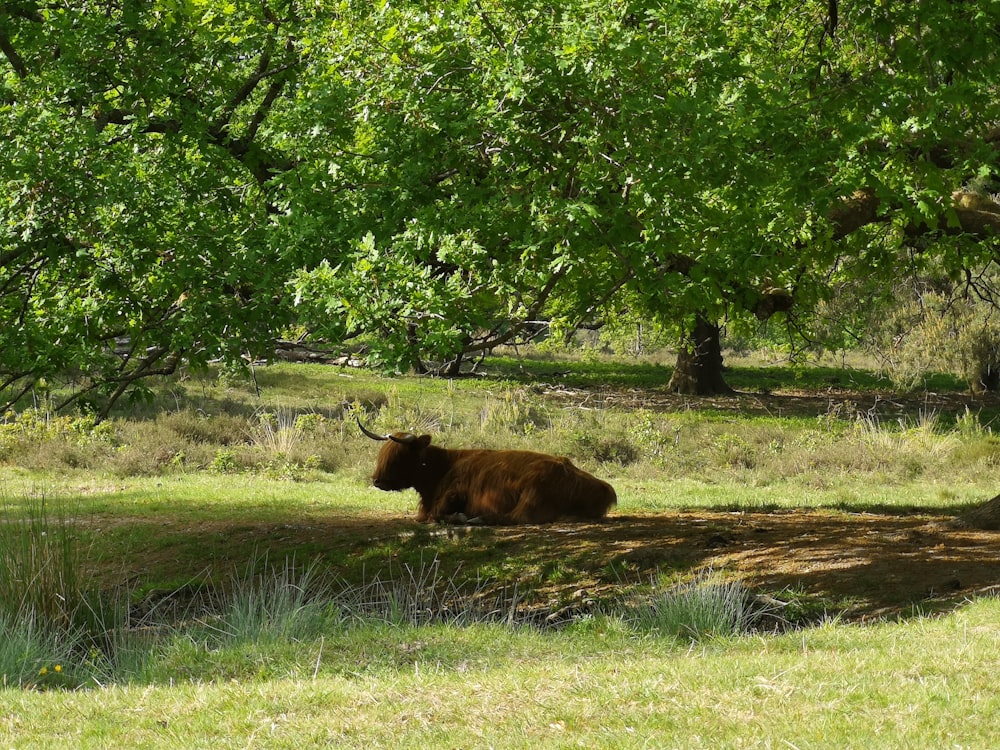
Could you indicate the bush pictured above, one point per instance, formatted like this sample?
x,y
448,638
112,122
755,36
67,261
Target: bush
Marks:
x,y
934,330
606,448
39,439
197,427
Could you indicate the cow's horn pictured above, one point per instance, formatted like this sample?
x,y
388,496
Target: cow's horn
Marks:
x,y
369,433
407,439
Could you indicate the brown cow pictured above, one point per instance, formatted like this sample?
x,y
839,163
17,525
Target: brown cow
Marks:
x,y
488,486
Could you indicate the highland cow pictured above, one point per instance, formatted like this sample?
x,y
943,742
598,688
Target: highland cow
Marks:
x,y
488,486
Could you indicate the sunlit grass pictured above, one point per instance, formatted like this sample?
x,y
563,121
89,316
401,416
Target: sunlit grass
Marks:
x,y
923,683
635,437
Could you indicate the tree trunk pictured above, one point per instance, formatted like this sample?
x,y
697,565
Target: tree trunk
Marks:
x,y
453,368
413,350
985,516
699,362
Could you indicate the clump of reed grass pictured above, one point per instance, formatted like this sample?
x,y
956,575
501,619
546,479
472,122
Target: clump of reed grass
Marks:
x,y
54,631
39,566
280,604
707,606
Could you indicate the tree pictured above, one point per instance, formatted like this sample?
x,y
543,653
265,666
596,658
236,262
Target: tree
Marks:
x,y
892,111
188,181
717,161
133,227
489,198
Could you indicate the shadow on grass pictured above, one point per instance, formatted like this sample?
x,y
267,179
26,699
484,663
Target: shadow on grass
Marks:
x,y
761,379
859,565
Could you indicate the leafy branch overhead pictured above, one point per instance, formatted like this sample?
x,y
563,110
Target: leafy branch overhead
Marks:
x,y
189,182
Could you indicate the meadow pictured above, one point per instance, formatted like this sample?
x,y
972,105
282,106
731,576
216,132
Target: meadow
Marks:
x,y
786,567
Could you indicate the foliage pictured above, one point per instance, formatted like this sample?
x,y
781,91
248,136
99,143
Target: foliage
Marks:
x,y
38,437
937,325
187,182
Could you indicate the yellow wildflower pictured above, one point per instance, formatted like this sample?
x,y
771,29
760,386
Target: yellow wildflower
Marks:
x,y
58,667
43,671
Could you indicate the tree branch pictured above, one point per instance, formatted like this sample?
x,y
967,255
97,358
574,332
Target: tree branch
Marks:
x,y
243,92
12,56
532,313
852,213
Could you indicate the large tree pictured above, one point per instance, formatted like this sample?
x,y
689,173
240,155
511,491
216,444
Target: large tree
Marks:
x,y
183,181
854,134
485,139
859,136
720,162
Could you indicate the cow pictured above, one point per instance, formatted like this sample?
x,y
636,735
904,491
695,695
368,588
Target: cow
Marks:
x,y
496,487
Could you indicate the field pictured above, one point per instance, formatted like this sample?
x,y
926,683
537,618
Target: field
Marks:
x,y
256,591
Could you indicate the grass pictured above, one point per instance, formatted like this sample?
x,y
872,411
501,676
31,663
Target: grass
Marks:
x,y
917,684
707,606
249,588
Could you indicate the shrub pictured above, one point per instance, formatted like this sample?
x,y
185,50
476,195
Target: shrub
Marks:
x,y
225,461
39,439
514,410
935,329
201,428
606,449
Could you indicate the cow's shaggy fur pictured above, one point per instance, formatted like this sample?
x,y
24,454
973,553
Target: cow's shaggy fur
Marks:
x,y
495,487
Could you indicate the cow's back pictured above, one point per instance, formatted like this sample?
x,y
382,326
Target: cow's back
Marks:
x,y
523,487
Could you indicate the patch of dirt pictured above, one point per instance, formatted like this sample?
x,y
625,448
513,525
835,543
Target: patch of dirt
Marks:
x,y
865,565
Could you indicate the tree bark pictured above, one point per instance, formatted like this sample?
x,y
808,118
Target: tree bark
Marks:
x,y
969,213
698,371
985,516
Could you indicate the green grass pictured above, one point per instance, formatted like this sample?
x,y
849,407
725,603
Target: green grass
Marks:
x,y
248,587
707,606
923,683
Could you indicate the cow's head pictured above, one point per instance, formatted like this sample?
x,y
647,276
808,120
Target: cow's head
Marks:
x,y
400,463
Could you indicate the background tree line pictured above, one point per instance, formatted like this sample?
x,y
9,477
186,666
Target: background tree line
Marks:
x,y
189,180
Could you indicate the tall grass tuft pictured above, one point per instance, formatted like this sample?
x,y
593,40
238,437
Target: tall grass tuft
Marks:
x,y
423,595
277,432
281,604
53,631
39,567
706,607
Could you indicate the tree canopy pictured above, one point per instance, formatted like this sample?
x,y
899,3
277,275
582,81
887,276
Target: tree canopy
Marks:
x,y
188,181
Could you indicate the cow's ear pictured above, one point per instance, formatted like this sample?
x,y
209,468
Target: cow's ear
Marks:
x,y
423,441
